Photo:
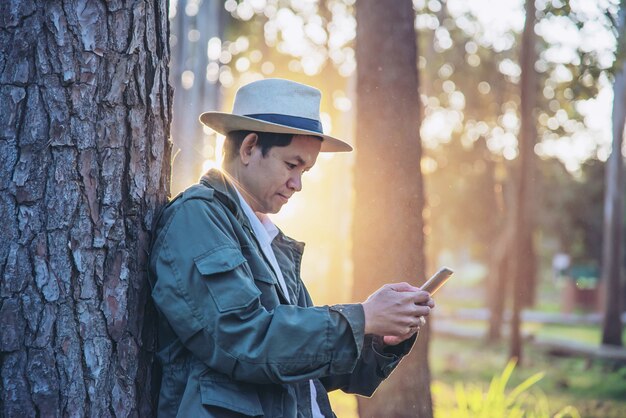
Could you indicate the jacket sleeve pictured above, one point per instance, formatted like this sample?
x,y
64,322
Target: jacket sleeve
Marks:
x,y
376,363
205,289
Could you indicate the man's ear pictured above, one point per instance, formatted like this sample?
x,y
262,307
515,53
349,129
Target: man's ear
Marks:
x,y
247,147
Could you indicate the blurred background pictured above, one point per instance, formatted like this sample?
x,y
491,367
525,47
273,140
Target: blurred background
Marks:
x,y
565,184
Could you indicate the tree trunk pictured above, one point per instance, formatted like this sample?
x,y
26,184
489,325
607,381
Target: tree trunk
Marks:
x,y
499,267
388,242
84,122
498,281
190,101
613,211
523,255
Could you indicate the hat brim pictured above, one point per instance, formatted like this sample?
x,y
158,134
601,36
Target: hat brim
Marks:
x,y
224,123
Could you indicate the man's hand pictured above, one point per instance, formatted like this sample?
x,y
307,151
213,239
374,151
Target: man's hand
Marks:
x,y
395,311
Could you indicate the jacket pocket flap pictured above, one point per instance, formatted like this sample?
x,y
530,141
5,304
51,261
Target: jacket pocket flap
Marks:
x,y
228,278
234,396
219,260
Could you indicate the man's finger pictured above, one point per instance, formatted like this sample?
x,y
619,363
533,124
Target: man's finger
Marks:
x,y
422,297
404,287
422,310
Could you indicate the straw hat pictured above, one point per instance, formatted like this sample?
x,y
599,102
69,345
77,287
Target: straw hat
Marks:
x,y
275,105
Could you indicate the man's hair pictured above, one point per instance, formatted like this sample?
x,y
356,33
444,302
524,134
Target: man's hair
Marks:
x,y
266,140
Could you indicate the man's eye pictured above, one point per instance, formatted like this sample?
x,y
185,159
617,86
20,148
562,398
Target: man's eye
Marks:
x,y
290,166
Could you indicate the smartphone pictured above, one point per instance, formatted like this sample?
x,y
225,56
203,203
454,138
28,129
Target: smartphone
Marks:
x,y
434,283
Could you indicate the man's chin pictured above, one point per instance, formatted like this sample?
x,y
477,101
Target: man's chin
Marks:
x,y
275,208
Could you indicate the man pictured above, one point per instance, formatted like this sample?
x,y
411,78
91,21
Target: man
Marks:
x,y
239,335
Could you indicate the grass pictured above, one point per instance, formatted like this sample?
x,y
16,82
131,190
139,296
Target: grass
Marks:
x,y
595,390
589,334
498,400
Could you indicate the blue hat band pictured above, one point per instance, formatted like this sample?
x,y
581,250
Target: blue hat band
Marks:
x,y
291,121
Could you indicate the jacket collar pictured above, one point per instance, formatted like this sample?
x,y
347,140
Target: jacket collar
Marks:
x,y
224,188
226,192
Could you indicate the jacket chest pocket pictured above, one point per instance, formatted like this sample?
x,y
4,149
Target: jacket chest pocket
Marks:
x,y
227,278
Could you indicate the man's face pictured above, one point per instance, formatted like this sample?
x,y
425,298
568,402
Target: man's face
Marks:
x,y
269,181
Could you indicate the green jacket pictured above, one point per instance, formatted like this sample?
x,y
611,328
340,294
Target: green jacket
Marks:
x,y
229,342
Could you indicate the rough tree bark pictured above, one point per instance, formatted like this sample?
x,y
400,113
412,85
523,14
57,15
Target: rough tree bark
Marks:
x,y
84,163
523,256
613,223
388,241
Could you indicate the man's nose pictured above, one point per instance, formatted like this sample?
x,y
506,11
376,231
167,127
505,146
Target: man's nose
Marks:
x,y
295,182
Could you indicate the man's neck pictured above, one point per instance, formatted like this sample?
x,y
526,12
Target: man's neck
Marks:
x,y
232,172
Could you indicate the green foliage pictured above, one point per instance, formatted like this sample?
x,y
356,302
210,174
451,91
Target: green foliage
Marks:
x,y
572,211
463,199
472,401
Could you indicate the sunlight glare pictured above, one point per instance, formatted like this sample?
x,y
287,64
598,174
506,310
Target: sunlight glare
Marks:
x,y
225,57
256,56
267,68
327,123
312,63
510,121
316,33
429,165
484,87
242,44
242,64
448,86
438,125
208,165
193,35
186,79
473,60
562,74
230,5
571,150
342,103
216,160
244,11
258,5
471,47
173,10
192,7
226,77
212,72
509,68
214,49
495,19
457,100
445,71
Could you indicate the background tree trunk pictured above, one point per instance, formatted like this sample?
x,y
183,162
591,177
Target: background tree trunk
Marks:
x,y
200,95
523,256
498,281
612,257
388,243
84,122
499,265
